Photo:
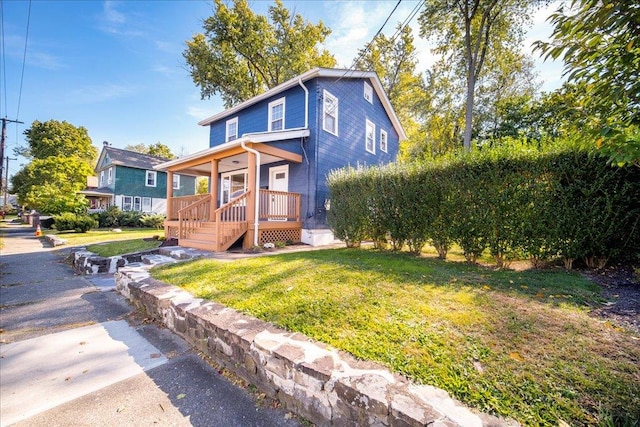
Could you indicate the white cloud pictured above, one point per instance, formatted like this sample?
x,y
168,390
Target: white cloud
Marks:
x,y
116,22
112,15
99,93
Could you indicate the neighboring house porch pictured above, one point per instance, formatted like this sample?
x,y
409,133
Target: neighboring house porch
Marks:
x,y
248,194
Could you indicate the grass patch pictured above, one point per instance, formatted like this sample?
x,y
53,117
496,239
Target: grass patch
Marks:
x,y
123,247
104,235
516,344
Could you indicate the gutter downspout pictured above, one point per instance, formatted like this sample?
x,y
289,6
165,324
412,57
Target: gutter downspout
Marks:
x,y
257,191
257,154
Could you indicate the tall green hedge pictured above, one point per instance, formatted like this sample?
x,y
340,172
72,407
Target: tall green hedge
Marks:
x,y
515,200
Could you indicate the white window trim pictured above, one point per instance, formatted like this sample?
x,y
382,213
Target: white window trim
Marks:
x,y
147,204
176,180
228,137
275,104
373,135
368,92
124,198
137,199
328,95
385,139
155,178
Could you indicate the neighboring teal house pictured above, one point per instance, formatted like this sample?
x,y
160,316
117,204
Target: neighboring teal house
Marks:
x,y
128,180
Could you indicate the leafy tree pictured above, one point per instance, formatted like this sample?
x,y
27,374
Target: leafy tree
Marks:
x,y
241,54
599,42
54,138
61,159
468,32
158,149
202,185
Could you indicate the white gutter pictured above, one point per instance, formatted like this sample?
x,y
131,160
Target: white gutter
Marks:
x,y
257,191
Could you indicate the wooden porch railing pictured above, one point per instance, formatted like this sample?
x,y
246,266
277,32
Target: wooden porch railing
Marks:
x,y
179,203
279,206
231,220
193,216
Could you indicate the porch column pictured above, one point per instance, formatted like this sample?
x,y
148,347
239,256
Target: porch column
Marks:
x,y
169,195
251,201
213,184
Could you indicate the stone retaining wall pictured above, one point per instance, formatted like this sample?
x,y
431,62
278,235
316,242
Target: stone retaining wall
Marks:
x,y
85,262
321,384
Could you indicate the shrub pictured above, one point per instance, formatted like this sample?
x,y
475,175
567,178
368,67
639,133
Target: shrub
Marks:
x,y
69,221
152,220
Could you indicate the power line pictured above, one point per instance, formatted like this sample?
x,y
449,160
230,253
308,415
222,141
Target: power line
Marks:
x,y
24,60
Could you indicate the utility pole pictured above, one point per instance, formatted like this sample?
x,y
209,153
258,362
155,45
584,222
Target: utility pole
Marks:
x,y
4,136
6,184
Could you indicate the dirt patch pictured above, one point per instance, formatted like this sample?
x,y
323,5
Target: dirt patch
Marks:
x,y
621,289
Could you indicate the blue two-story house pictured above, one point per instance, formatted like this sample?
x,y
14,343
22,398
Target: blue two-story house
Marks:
x,y
269,157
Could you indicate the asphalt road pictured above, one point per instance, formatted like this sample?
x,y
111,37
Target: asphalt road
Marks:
x,y
72,354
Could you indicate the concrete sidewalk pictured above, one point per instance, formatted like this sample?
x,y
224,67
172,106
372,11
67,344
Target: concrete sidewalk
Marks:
x,y
69,356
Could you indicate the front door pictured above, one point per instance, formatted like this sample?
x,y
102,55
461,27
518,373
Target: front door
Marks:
x,y
278,181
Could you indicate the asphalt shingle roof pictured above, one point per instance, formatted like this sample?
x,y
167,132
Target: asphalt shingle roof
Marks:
x,y
133,159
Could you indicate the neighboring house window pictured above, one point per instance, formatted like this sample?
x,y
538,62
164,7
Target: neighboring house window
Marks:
x,y
368,92
146,204
232,129
370,137
276,115
151,178
101,179
126,203
176,182
330,113
136,203
109,175
383,140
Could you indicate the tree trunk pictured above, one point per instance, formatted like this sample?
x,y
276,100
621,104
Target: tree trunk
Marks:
x,y
468,115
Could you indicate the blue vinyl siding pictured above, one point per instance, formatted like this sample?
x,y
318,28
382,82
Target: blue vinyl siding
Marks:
x,y
255,118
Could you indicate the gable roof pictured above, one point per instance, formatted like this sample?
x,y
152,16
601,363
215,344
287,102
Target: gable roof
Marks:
x,y
311,74
128,158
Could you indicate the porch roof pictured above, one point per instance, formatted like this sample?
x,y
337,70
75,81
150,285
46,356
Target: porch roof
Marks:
x,y
233,150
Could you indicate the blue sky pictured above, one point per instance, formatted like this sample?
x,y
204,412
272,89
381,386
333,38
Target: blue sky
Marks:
x,y
116,67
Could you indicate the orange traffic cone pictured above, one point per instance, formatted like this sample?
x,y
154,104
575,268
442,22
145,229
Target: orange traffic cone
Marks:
x,y
38,231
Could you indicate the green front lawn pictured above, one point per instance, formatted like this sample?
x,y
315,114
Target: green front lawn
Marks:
x,y
517,344
122,247
100,235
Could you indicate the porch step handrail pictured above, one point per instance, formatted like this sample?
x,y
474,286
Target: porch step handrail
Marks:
x,y
191,217
180,202
231,221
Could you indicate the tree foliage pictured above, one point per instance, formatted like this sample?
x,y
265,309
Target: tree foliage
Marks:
x,y
241,54
61,159
599,42
158,149
470,34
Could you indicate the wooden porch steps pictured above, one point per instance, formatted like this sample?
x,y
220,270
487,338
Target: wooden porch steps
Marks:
x,y
205,245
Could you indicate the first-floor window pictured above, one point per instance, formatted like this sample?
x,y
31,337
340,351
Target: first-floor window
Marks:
x,y
233,185
370,137
146,204
127,202
137,203
176,182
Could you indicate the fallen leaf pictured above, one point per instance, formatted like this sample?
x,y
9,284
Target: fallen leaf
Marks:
x,y
486,288
85,371
181,396
67,379
478,366
155,355
83,342
539,295
120,409
161,407
516,356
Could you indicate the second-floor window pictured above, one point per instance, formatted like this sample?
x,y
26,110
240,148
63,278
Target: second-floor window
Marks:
x,y
370,135
151,179
176,182
368,92
383,140
276,115
330,113
232,130
101,179
109,175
